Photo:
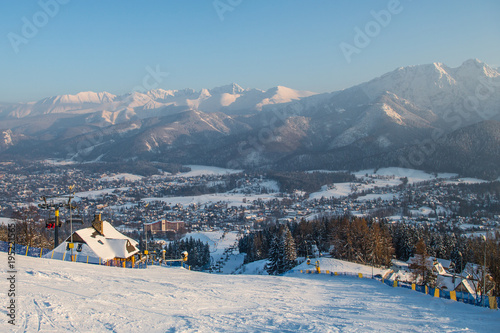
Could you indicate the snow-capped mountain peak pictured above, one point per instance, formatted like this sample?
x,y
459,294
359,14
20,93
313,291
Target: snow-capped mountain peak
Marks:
x,y
232,89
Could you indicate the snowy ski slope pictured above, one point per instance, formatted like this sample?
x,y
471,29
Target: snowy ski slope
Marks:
x,y
63,296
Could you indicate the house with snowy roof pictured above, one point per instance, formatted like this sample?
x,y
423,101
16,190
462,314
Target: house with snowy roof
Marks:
x,y
431,262
97,244
457,283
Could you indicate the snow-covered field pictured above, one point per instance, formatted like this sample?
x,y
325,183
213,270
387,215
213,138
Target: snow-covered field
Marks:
x,y
98,193
232,199
389,177
200,170
60,296
466,181
373,196
121,176
414,176
5,220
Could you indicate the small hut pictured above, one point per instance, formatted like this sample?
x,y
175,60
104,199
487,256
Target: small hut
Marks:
x,y
97,244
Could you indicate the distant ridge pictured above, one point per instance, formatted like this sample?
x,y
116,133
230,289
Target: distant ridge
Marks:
x,y
373,124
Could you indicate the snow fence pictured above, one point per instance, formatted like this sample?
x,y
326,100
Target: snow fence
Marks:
x,y
487,301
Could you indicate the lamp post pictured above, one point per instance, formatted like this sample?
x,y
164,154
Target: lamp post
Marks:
x,y
484,271
461,266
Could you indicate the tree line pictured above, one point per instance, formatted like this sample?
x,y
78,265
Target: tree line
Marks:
x,y
368,241
198,252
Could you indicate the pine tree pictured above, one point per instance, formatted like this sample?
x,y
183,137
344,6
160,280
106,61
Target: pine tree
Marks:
x,y
290,250
421,267
282,252
274,257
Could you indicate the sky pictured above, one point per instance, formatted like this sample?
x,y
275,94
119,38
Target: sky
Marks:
x,y
54,47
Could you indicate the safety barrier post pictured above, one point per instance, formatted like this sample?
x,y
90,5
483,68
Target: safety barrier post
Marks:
x,y
64,255
327,272
52,256
301,271
413,286
27,247
436,292
493,302
360,275
395,284
426,290
41,252
335,273
453,295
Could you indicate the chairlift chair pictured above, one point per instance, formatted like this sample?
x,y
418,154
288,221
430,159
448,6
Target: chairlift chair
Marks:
x,y
77,218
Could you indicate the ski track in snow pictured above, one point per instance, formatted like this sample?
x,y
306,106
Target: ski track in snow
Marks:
x,y
88,298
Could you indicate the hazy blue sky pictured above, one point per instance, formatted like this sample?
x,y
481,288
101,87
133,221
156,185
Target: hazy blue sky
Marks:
x,y
107,45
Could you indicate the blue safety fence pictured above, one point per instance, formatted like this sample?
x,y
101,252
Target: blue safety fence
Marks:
x,y
464,297
37,252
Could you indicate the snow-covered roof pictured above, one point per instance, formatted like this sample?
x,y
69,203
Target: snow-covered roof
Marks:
x,y
444,262
431,262
446,282
108,245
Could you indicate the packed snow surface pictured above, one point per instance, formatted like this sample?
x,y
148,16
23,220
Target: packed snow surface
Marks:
x,y
339,266
63,296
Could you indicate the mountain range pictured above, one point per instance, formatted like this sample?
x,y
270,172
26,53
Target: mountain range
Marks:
x,y
424,116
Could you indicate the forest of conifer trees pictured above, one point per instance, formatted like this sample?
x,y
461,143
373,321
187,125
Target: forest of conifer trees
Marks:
x,y
366,242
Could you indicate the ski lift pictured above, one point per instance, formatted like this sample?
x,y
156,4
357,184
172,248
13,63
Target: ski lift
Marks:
x,y
77,218
50,223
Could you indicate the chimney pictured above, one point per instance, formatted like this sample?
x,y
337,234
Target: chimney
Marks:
x,y
97,224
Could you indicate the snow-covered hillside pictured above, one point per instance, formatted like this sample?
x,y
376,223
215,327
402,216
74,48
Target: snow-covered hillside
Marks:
x,y
63,296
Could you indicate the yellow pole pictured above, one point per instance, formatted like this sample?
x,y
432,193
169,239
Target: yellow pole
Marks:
x,y
436,292
52,256
41,252
27,247
493,302
395,284
413,286
360,275
453,295
87,259
64,255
